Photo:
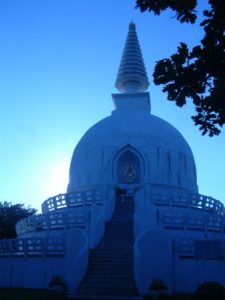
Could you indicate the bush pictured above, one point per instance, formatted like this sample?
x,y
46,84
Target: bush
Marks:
x,y
211,290
157,290
158,285
57,287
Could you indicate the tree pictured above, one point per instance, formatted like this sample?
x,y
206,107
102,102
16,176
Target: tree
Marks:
x,y
197,74
10,214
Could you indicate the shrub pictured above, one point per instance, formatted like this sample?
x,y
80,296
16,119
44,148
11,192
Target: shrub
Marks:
x,y
158,285
211,290
157,290
58,287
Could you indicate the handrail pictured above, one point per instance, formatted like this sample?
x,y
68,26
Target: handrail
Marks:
x,y
35,246
74,217
173,196
72,199
197,220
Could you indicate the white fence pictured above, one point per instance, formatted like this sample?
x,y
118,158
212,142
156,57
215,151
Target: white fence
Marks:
x,y
200,249
19,247
169,196
190,220
73,199
76,217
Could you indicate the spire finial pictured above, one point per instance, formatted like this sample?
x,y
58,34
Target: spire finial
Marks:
x,y
132,76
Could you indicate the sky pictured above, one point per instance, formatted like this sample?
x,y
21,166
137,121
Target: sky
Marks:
x,y
58,65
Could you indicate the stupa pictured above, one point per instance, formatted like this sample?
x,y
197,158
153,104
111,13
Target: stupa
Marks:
x,y
132,215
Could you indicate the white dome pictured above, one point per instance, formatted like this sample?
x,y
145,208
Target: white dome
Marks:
x,y
164,155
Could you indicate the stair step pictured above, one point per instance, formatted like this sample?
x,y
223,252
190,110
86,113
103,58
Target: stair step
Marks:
x,y
107,291
111,261
102,274
117,245
105,297
108,255
108,284
102,268
110,270
117,262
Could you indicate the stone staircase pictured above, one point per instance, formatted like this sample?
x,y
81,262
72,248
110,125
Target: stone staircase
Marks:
x,y
110,270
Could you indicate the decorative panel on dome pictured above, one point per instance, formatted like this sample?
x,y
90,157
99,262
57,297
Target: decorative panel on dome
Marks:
x,y
128,167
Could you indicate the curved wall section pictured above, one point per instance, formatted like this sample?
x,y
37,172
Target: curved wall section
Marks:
x,y
63,255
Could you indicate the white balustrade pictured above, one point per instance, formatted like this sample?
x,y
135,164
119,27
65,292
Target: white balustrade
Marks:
x,y
19,247
55,246
172,218
73,199
195,220
76,217
169,196
200,249
192,220
185,247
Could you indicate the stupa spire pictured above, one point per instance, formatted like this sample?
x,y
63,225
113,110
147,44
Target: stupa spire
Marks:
x,y
132,76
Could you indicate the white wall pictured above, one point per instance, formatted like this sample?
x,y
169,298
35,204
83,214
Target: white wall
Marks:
x,y
37,271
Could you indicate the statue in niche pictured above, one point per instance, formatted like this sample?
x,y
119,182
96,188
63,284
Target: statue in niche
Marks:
x,y
129,173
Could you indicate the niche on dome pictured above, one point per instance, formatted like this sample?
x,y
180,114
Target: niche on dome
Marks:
x,y
128,166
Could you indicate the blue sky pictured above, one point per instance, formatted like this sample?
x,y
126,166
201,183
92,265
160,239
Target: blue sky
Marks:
x,y
58,65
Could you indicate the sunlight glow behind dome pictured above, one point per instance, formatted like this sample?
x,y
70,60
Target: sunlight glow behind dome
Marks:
x,y
59,179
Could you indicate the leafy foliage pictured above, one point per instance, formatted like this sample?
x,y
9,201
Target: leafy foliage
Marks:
x,y
58,287
10,214
184,9
211,290
196,74
158,285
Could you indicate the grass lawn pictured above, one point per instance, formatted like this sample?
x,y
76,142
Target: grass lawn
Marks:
x,y
27,294
31,294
